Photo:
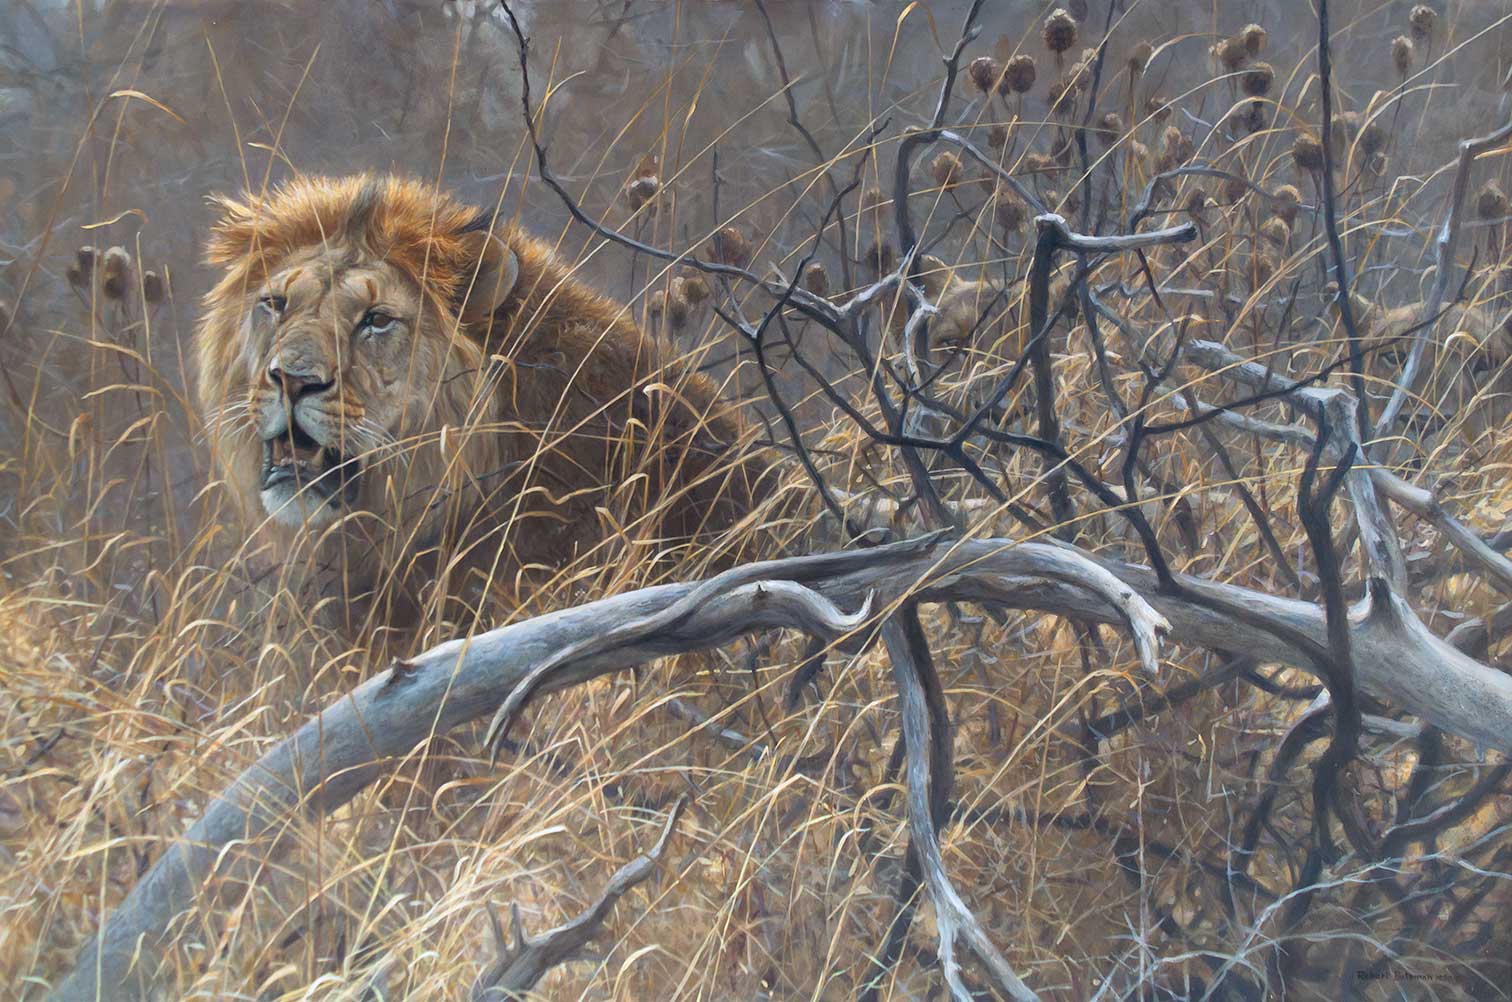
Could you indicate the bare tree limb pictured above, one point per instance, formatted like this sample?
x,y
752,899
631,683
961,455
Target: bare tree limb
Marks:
x,y
520,964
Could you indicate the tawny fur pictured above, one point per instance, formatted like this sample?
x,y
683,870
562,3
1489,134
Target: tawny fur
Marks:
x,y
556,415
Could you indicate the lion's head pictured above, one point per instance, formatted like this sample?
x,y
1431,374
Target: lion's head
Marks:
x,y
336,373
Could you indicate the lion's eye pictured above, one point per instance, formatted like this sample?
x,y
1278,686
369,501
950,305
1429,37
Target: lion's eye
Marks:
x,y
377,322
273,304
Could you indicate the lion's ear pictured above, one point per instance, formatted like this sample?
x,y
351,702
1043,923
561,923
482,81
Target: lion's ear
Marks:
x,y
232,235
490,275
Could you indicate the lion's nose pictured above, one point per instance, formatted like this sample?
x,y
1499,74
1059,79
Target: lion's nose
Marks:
x,y
297,380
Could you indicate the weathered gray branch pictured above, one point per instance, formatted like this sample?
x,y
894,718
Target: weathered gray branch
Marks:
x,y
525,961
347,746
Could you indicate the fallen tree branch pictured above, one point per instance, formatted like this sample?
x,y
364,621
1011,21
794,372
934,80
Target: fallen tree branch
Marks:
x,y
347,746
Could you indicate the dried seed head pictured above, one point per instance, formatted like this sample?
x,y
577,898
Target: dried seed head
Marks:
x,y
1195,204
1376,164
1308,152
1402,52
644,182
1372,138
1234,188
880,259
816,279
1265,268
946,169
1062,97
696,288
1112,127
1018,75
1009,211
1251,117
1287,202
1060,31
1256,81
115,269
1491,201
872,198
1139,58
1176,146
1230,53
152,287
76,278
1139,151
1422,18
997,136
1346,126
1038,163
1158,108
985,73
1276,230
88,257
678,307
641,190
1254,38
730,246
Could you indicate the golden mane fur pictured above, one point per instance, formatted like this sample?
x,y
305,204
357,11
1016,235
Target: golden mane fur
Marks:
x,y
527,433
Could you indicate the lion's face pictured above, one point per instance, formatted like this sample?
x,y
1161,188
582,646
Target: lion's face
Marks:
x,y
335,355
337,374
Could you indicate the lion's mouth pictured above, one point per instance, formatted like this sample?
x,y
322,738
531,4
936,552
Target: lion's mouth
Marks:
x,y
297,462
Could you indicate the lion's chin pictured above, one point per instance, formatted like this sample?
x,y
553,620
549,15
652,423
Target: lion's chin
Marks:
x,y
292,508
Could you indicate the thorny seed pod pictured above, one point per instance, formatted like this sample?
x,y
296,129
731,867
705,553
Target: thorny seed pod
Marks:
x,y
1062,97
880,259
730,246
87,257
1252,117
997,136
1491,201
1140,57
985,73
816,279
695,288
678,307
946,169
1402,52
1176,145
1308,152
115,271
644,184
1254,38
1018,75
1256,81
1139,151
641,190
1230,53
1346,126
1234,188
1112,128
1372,138
152,287
1038,163
1195,204
1287,202
1422,19
1009,210
1060,31
1276,230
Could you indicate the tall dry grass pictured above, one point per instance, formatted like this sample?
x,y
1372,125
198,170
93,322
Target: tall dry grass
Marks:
x,y
153,647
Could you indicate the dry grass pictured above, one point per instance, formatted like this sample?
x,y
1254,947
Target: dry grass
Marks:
x,y
151,649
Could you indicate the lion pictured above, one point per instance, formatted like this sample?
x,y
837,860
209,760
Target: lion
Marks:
x,y
417,387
